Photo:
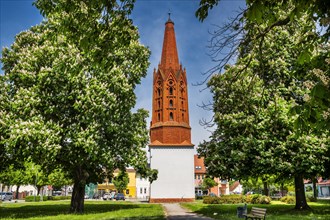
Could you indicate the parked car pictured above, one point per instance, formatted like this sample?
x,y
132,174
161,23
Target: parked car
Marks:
x,y
212,195
86,196
107,196
199,196
120,196
96,196
6,196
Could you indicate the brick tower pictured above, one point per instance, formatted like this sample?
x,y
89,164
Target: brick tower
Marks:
x,y
171,150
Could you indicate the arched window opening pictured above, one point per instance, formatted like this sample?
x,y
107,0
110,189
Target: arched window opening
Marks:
x,y
158,104
171,103
158,91
171,91
158,116
171,116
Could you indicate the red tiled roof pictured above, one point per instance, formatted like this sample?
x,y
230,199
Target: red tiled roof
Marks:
x,y
232,187
199,165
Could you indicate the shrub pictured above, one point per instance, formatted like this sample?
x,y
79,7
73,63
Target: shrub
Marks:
x,y
257,199
211,200
60,197
35,198
231,199
288,199
264,200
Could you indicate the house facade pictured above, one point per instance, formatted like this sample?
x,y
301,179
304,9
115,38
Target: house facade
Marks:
x,y
222,187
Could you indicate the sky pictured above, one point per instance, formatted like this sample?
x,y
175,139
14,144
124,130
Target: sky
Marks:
x,y
149,16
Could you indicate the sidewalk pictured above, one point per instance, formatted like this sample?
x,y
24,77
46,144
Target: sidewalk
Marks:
x,y
174,211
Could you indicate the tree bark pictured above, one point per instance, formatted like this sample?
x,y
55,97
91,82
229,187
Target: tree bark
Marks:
x,y
282,189
17,191
301,203
78,194
314,188
266,190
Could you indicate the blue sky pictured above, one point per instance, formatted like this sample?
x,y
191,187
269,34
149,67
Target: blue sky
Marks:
x,y
150,16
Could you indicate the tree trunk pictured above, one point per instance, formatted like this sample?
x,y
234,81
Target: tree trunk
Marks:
x,y
266,190
282,189
78,194
17,191
301,202
38,190
314,188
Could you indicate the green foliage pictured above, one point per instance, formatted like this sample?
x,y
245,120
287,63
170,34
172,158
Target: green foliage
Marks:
x,y
231,199
211,200
59,198
257,133
121,181
72,81
59,178
236,199
288,199
35,198
208,183
257,199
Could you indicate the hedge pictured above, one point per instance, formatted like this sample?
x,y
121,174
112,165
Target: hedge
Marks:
x,y
236,199
35,198
60,197
231,199
45,198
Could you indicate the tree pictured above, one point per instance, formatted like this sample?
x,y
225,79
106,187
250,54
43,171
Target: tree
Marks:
x,y
72,81
257,136
312,45
273,43
121,181
4,122
58,178
208,183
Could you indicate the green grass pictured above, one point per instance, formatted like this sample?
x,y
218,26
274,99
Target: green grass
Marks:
x,y
275,211
93,210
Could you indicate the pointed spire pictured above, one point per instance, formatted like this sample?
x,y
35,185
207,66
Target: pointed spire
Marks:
x,y
170,57
169,16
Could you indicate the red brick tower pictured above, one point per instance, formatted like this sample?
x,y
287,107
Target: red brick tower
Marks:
x,y
170,115
171,150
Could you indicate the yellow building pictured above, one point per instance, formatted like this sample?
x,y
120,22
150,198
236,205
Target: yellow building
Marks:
x,y
130,191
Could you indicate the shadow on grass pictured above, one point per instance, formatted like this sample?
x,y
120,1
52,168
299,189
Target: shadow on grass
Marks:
x,y
319,210
26,210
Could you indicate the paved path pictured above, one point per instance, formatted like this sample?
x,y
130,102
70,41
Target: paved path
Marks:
x,y
174,211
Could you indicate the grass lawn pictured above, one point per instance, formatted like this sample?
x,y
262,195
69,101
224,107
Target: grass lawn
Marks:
x,y
275,211
93,210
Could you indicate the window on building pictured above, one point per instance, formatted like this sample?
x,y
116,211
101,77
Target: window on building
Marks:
x,y
140,190
182,117
158,116
171,116
158,91
199,177
145,190
159,104
171,91
127,191
171,103
202,176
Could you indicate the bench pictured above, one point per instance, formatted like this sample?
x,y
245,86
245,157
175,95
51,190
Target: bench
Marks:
x,y
256,213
